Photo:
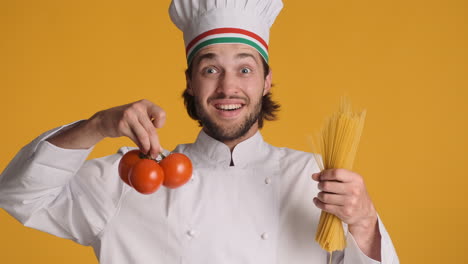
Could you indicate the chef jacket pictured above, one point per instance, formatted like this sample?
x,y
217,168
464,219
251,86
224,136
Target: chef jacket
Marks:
x,y
253,205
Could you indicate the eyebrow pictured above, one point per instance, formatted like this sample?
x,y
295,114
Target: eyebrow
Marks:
x,y
206,56
245,55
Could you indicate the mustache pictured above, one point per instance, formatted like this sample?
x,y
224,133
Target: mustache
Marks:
x,y
223,96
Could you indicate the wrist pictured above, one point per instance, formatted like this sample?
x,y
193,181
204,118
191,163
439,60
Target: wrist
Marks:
x,y
365,227
93,127
81,135
366,233
367,236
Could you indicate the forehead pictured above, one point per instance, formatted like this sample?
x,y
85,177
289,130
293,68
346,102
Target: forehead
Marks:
x,y
227,52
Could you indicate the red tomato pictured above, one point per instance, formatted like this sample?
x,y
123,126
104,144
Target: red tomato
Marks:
x,y
126,163
146,176
177,170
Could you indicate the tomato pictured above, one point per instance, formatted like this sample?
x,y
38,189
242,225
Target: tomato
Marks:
x,y
126,163
177,170
146,176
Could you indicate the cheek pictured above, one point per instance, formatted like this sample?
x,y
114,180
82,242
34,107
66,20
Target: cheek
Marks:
x,y
197,88
256,88
204,86
201,93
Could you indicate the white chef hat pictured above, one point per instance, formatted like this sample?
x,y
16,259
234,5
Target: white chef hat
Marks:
x,y
207,22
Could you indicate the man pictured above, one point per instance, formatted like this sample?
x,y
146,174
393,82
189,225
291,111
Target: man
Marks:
x,y
247,202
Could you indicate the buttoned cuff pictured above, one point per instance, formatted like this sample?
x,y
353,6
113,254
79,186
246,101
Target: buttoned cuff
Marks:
x,y
354,254
57,164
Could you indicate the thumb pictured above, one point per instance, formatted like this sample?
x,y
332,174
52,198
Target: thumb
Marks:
x,y
159,119
316,176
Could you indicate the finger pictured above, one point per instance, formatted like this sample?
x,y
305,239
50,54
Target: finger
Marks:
x,y
127,132
125,129
332,187
329,208
157,114
341,175
141,136
316,176
155,147
331,198
133,137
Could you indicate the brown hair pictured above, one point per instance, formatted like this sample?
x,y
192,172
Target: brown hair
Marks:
x,y
269,107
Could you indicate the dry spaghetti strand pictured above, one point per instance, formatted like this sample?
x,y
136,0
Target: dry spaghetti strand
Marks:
x,y
337,143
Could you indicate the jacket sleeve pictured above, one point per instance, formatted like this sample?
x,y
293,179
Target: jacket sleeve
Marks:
x,y
353,254
57,191
300,219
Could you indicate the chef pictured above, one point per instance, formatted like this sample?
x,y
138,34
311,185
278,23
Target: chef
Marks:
x,y
247,201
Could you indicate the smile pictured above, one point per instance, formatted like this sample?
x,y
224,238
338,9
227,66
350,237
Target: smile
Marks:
x,y
228,107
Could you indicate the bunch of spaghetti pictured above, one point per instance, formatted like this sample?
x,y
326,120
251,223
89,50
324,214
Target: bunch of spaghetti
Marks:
x,y
338,143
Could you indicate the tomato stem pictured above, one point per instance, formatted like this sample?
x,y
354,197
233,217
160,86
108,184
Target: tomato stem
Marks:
x,y
143,155
146,156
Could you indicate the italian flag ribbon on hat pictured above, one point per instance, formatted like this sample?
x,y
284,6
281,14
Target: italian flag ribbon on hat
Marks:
x,y
227,35
210,22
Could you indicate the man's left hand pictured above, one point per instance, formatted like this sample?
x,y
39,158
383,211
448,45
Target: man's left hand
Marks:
x,y
343,193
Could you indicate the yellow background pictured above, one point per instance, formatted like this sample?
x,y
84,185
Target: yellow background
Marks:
x,y
405,61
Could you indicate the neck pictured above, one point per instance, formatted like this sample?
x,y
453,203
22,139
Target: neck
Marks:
x,y
233,143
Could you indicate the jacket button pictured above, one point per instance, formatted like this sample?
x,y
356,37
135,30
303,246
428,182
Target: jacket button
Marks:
x,y
267,180
191,233
264,236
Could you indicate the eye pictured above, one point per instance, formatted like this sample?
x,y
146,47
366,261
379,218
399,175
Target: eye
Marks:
x,y
210,70
246,70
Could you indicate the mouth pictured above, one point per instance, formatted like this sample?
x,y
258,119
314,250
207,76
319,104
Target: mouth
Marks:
x,y
229,110
228,107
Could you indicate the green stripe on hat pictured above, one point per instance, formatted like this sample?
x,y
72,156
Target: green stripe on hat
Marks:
x,y
221,40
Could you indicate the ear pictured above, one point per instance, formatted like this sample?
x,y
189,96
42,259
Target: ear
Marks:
x,y
267,87
189,83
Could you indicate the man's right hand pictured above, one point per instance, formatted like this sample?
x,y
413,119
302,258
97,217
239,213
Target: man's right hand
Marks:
x,y
137,120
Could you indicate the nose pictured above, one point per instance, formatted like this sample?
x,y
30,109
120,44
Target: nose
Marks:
x,y
228,84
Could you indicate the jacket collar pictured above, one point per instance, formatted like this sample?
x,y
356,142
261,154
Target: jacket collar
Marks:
x,y
243,154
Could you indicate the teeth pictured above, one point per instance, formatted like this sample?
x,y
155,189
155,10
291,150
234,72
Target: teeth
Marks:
x,y
229,106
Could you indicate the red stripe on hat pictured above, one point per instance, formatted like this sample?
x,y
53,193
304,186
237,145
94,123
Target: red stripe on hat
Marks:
x,y
226,30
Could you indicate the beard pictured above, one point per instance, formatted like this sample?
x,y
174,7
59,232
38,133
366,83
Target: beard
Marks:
x,y
225,133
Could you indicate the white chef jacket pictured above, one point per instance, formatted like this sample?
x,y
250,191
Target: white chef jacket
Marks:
x,y
258,211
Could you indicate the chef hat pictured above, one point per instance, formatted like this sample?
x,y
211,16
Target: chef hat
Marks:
x,y
207,22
